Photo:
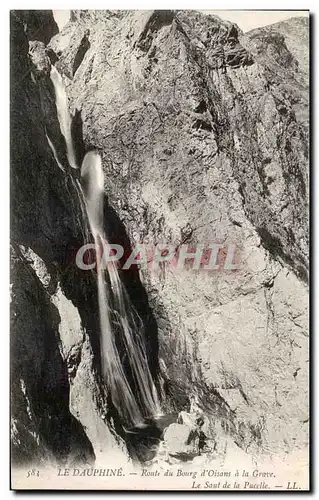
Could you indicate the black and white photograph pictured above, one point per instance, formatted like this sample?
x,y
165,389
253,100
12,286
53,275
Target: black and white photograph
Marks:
x,y
159,250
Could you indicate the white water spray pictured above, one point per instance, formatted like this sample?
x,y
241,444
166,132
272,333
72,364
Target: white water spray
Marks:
x,y
119,322
117,314
54,152
63,114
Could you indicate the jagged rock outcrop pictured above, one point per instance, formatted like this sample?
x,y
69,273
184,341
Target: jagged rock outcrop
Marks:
x,y
203,136
294,34
37,24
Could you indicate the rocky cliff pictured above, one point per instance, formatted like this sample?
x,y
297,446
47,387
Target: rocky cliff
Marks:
x,y
203,136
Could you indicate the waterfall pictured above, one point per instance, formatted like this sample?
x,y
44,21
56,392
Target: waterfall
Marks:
x,y
54,152
119,322
64,116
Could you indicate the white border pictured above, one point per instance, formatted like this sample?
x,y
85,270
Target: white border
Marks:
x,y
4,196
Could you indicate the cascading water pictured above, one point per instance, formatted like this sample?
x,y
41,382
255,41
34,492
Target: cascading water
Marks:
x,y
64,116
54,152
119,322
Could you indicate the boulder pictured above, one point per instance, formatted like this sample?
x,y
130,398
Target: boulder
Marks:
x,y
181,441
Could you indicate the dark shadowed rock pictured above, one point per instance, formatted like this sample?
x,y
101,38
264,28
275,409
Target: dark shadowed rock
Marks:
x,y
38,24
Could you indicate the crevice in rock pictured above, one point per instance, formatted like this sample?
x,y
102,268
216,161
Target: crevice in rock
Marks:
x,y
77,137
82,50
202,125
275,247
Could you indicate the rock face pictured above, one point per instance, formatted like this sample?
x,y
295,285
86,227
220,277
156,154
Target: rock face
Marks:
x,y
203,136
37,24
